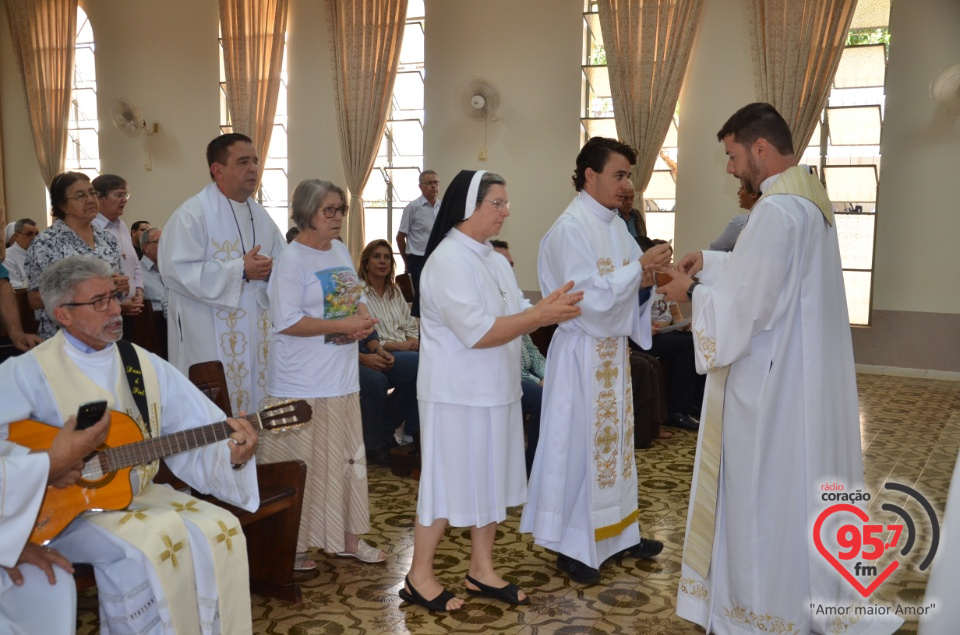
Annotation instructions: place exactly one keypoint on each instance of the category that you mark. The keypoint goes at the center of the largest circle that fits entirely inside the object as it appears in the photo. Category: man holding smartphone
(37, 591)
(208, 589)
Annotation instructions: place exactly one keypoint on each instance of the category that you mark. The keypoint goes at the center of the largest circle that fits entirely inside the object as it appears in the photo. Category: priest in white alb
(215, 258)
(168, 563)
(780, 417)
(582, 495)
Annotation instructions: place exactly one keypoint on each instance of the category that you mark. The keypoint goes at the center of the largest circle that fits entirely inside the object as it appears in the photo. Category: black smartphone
(90, 413)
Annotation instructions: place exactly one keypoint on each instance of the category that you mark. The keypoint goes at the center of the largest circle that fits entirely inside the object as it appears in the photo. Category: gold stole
(698, 549)
(152, 522)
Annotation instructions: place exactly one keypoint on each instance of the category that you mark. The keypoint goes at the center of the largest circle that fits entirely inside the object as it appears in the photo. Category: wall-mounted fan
(478, 100)
(129, 119)
(945, 87)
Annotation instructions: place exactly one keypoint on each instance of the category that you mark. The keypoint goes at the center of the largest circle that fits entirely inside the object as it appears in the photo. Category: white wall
(162, 57)
(918, 215)
(532, 51)
(719, 81)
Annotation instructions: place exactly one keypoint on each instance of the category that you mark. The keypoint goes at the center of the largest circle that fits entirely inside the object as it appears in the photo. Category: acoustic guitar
(105, 481)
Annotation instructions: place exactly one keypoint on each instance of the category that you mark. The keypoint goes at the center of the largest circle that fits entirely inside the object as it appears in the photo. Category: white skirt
(472, 463)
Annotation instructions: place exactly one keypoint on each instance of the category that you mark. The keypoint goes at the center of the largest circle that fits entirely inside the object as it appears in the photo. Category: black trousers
(684, 385)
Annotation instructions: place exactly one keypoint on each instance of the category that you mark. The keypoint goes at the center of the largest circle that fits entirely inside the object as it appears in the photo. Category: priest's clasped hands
(255, 266)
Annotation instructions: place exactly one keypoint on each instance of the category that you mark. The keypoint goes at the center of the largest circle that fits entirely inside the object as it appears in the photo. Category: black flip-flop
(509, 594)
(437, 604)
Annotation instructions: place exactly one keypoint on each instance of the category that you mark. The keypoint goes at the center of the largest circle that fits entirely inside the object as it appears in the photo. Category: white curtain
(365, 39)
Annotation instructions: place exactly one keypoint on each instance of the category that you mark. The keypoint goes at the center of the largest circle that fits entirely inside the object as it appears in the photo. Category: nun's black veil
(452, 211)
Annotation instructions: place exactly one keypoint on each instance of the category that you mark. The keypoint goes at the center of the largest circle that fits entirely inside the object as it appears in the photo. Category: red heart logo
(862, 515)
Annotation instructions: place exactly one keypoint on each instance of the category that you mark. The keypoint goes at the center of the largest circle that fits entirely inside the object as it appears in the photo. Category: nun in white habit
(472, 316)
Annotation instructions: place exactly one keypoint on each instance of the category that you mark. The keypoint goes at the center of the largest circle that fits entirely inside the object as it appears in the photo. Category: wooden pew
(271, 531)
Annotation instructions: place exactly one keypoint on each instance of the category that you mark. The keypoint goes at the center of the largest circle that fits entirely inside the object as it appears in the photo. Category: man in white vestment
(168, 562)
(582, 497)
(24, 231)
(780, 416)
(215, 258)
(37, 591)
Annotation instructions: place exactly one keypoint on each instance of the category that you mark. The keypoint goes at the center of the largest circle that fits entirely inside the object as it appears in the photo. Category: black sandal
(509, 594)
(437, 604)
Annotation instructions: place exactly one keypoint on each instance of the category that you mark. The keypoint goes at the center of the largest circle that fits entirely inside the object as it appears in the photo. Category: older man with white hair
(159, 569)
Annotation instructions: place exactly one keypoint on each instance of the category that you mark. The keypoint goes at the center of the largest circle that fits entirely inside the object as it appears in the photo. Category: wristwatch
(690, 289)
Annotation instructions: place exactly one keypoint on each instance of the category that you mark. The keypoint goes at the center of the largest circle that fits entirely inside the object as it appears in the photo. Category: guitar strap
(131, 367)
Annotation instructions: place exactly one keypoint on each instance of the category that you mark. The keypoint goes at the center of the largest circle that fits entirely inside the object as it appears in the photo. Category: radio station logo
(856, 548)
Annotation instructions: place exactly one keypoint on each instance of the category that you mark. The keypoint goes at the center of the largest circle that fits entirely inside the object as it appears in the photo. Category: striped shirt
(396, 324)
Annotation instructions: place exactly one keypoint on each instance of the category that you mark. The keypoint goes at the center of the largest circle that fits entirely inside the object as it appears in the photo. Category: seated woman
(398, 335)
(319, 315)
(74, 206)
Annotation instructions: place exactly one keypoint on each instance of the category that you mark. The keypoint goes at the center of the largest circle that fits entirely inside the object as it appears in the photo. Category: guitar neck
(150, 450)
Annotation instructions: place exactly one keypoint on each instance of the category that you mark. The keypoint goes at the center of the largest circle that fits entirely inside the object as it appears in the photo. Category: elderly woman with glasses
(74, 205)
(319, 313)
(472, 317)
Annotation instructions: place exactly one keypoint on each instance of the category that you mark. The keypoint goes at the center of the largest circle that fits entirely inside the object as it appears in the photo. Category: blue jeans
(382, 413)
(530, 405)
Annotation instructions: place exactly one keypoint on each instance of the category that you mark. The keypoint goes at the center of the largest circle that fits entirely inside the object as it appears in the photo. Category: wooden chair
(272, 530)
(406, 286)
(145, 330)
(28, 319)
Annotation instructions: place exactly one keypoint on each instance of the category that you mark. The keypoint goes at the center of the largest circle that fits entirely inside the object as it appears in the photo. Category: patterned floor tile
(910, 432)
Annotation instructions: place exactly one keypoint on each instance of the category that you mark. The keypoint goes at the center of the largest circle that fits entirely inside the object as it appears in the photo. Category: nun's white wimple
(471, 203)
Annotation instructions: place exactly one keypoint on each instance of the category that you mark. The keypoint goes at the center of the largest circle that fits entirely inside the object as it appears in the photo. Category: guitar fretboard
(148, 450)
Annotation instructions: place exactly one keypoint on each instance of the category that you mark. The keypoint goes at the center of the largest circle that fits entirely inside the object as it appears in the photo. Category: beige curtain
(648, 44)
(365, 39)
(796, 52)
(253, 34)
(44, 40)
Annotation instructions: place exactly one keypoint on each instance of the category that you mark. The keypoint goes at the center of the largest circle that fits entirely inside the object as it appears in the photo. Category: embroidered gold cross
(137, 515)
(606, 439)
(189, 507)
(171, 552)
(607, 373)
(227, 535)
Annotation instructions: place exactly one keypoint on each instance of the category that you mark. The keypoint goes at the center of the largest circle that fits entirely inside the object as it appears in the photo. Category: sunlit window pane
(600, 127)
(83, 147)
(854, 125)
(861, 67)
(857, 285)
(411, 51)
(660, 225)
(855, 232)
(375, 224)
(851, 182)
(599, 80)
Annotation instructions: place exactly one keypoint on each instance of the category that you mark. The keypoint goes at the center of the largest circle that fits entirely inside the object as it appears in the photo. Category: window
(83, 142)
(273, 192)
(597, 120)
(845, 147)
(394, 179)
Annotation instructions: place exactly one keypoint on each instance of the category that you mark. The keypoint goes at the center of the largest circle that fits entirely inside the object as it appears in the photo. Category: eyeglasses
(101, 303)
(499, 205)
(429, 183)
(30, 234)
(330, 212)
(82, 196)
(119, 195)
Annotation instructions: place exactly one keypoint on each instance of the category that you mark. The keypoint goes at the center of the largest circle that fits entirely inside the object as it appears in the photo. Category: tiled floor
(911, 435)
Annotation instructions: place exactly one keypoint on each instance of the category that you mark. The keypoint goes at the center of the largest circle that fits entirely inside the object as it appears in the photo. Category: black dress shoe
(645, 549)
(684, 421)
(578, 571)
(380, 457)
